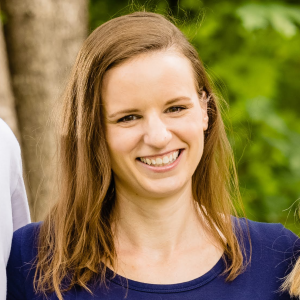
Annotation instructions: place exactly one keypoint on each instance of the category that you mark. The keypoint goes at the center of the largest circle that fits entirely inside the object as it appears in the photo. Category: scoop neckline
(216, 270)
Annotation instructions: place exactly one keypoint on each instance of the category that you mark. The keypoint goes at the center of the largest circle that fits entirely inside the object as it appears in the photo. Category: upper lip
(160, 154)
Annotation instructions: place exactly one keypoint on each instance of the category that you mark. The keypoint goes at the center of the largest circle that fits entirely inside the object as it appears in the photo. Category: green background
(251, 51)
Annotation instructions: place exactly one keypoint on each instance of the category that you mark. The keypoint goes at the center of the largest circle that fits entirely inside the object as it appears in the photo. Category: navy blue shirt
(274, 249)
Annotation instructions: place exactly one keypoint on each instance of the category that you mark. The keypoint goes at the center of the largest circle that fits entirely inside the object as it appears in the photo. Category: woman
(147, 184)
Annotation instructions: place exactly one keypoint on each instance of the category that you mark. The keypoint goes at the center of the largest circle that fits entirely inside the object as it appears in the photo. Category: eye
(175, 109)
(128, 118)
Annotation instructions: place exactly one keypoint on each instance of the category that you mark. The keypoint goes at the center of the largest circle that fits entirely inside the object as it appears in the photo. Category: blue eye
(128, 118)
(175, 109)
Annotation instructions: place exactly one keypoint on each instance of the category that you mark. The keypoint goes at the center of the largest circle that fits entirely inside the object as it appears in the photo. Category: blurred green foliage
(251, 50)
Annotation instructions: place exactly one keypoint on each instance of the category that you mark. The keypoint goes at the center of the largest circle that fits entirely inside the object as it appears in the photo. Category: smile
(162, 160)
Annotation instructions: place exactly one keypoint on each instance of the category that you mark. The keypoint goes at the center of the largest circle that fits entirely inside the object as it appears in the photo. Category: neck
(157, 226)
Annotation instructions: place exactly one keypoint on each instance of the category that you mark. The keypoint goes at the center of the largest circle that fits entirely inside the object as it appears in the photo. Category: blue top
(273, 249)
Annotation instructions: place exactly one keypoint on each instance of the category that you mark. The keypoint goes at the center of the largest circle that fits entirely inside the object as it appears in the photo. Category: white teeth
(175, 155)
(161, 161)
(165, 159)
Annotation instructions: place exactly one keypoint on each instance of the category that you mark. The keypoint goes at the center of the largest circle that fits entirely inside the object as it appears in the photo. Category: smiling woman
(168, 122)
(148, 184)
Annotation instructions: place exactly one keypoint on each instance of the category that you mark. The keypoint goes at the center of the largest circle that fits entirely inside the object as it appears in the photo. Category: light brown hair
(76, 236)
(292, 281)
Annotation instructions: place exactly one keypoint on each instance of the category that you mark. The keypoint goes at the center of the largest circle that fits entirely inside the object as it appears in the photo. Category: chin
(163, 189)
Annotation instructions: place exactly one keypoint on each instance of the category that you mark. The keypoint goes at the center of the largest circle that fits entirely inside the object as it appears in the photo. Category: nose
(156, 133)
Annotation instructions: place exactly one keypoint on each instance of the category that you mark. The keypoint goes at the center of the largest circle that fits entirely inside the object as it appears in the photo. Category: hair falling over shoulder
(292, 281)
(76, 238)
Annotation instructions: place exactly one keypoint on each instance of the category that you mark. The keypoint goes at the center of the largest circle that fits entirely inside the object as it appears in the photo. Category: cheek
(192, 129)
(194, 136)
(192, 133)
(121, 141)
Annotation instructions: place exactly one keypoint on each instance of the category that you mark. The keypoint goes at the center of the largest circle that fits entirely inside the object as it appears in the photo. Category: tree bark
(7, 101)
(43, 38)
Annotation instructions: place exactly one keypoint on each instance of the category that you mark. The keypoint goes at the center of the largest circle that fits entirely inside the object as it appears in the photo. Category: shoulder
(272, 245)
(20, 267)
(24, 244)
(27, 235)
(270, 234)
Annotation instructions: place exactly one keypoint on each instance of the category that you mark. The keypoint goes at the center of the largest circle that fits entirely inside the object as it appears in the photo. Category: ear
(203, 104)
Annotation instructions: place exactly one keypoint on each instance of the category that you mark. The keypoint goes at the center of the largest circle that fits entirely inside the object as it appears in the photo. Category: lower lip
(163, 169)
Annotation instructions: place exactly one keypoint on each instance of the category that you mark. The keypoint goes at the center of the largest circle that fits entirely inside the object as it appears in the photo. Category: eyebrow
(177, 99)
(131, 111)
(121, 112)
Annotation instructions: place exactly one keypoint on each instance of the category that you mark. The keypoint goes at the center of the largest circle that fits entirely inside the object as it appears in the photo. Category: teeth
(165, 159)
(161, 161)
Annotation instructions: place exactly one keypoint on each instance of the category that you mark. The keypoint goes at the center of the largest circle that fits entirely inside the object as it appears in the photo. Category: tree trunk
(7, 101)
(43, 38)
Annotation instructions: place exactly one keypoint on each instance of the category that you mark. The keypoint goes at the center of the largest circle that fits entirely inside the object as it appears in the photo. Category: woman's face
(154, 124)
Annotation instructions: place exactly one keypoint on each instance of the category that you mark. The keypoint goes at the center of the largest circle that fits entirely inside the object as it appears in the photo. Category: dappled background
(251, 51)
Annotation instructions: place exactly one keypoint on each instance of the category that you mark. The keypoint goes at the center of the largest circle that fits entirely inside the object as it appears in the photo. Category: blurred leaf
(281, 17)
(254, 16)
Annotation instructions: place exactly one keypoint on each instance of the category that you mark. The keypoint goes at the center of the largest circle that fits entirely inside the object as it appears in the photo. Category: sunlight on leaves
(281, 18)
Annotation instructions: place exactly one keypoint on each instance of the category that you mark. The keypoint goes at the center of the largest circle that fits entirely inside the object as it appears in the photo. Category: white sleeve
(19, 204)
(14, 211)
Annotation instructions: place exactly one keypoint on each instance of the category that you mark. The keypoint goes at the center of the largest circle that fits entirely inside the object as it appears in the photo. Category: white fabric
(14, 211)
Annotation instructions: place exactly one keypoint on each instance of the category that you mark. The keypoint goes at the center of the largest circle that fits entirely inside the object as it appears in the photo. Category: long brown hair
(76, 236)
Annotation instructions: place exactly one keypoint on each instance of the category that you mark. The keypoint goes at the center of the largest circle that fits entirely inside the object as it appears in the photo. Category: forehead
(147, 77)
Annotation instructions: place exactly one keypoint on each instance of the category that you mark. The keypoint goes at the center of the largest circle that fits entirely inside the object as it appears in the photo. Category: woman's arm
(14, 211)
